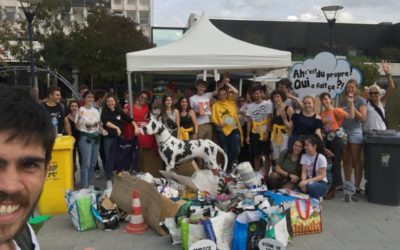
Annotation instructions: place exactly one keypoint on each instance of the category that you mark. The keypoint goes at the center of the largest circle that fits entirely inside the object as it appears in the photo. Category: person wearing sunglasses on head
(376, 118)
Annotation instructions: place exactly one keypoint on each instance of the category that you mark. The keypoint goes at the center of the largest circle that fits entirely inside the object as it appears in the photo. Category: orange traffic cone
(136, 224)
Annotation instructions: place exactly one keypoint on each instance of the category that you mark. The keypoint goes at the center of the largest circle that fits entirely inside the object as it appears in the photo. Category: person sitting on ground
(376, 118)
(313, 170)
(288, 168)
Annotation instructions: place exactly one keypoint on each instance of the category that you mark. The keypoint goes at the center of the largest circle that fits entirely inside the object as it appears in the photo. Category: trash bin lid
(64, 142)
(383, 137)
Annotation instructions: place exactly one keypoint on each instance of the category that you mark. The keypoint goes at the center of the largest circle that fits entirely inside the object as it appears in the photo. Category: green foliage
(390, 53)
(97, 48)
(392, 109)
(368, 69)
(103, 45)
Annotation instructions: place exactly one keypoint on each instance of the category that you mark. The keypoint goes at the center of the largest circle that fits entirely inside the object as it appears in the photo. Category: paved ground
(360, 225)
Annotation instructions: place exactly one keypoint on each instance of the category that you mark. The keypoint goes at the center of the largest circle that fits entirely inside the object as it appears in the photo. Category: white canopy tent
(204, 47)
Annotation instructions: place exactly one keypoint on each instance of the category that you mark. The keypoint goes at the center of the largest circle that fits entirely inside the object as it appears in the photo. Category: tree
(102, 45)
(96, 48)
(369, 70)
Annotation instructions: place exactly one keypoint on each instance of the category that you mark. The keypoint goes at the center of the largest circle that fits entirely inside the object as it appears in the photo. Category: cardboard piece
(155, 207)
(184, 180)
(186, 168)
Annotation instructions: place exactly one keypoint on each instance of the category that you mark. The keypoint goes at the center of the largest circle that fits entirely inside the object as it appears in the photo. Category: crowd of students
(277, 130)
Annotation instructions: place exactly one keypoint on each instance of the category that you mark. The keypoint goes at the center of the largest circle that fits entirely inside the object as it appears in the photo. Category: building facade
(140, 11)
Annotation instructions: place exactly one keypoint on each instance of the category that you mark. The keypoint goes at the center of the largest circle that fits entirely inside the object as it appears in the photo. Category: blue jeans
(231, 145)
(316, 189)
(89, 149)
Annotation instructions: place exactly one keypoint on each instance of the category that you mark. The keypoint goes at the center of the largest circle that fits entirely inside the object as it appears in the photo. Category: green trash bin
(381, 159)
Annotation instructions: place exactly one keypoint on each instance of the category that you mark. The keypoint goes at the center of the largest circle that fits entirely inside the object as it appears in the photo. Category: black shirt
(115, 117)
(57, 111)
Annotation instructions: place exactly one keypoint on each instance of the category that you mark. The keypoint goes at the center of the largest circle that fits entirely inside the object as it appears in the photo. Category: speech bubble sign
(203, 245)
(270, 244)
(323, 73)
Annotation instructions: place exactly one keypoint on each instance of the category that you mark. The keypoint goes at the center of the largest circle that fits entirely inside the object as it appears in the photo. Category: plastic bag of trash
(80, 208)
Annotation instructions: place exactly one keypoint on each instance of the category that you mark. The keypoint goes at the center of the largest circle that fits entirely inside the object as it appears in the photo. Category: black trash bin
(382, 165)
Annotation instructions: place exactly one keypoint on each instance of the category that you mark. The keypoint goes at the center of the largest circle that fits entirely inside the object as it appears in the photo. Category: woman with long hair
(87, 122)
(70, 127)
(169, 116)
(353, 129)
(145, 143)
(224, 116)
(113, 118)
(288, 168)
(313, 170)
(188, 126)
(307, 122)
(332, 119)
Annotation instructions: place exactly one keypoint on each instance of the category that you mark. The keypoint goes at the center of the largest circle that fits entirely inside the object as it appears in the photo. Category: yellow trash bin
(59, 178)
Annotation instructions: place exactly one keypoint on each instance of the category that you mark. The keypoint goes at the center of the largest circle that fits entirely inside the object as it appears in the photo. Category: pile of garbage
(203, 208)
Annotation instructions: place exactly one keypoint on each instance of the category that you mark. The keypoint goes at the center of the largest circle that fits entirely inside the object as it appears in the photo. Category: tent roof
(204, 47)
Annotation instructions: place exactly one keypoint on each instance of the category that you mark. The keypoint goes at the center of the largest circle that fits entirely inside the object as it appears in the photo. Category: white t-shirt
(90, 120)
(258, 112)
(309, 160)
(374, 120)
(202, 107)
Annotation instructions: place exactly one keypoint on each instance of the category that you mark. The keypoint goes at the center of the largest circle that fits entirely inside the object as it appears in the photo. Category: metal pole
(129, 74)
(331, 24)
(31, 52)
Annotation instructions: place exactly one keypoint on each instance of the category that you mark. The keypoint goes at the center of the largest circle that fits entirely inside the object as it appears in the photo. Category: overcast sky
(175, 13)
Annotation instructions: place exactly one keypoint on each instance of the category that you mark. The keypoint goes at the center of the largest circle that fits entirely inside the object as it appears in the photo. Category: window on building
(117, 2)
(10, 14)
(298, 52)
(144, 17)
(144, 2)
(131, 2)
(131, 14)
(358, 52)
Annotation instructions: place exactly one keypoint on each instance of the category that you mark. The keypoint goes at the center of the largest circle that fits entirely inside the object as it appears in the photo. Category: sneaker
(98, 176)
(109, 184)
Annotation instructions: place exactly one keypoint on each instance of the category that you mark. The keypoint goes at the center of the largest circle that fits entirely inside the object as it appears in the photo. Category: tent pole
(141, 82)
(129, 74)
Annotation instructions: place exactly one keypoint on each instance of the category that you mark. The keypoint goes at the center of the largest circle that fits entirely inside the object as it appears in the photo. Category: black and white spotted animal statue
(174, 151)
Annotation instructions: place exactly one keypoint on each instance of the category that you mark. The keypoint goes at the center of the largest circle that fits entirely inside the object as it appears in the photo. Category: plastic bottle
(54, 121)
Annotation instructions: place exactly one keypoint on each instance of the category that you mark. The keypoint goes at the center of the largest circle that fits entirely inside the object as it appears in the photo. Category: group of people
(278, 130)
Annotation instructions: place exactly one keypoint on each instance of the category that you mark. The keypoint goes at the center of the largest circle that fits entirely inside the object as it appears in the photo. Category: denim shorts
(354, 135)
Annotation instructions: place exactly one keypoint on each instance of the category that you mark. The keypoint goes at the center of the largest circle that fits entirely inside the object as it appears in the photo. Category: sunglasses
(373, 93)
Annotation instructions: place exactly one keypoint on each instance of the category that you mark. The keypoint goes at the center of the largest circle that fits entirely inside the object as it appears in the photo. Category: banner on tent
(323, 73)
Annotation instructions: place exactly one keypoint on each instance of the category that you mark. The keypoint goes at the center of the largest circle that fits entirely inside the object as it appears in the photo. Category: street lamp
(30, 8)
(330, 15)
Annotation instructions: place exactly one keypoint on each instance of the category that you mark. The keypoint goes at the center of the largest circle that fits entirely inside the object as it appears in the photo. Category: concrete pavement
(360, 225)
